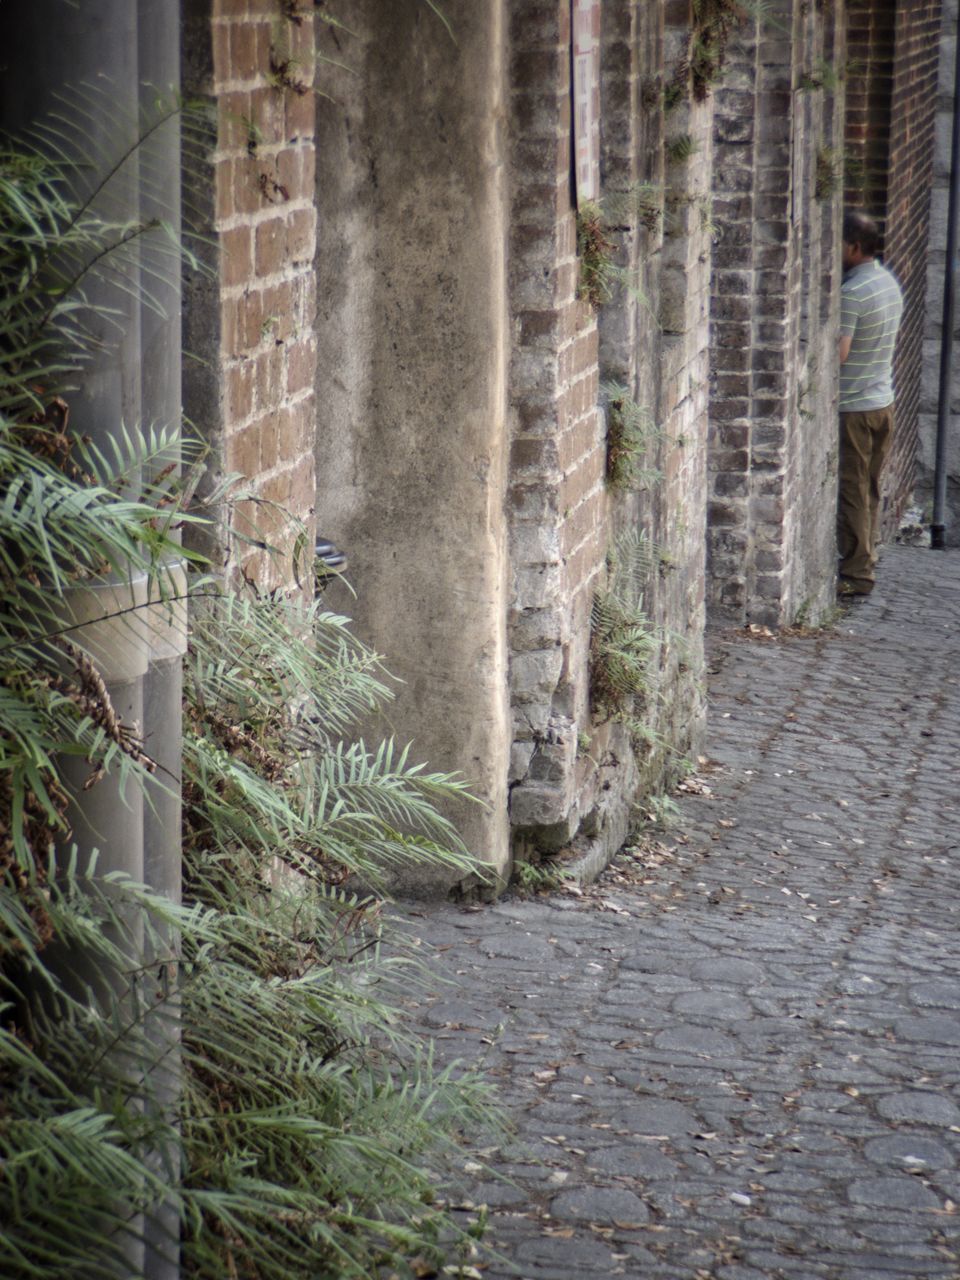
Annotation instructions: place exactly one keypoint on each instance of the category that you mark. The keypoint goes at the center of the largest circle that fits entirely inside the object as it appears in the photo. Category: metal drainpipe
(158, 35)
(106, 818)
(937, 526)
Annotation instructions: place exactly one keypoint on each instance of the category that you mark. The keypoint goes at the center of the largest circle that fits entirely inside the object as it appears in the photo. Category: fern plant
(596, 250)
(224, 1081)
(630, 435)
(624, 642)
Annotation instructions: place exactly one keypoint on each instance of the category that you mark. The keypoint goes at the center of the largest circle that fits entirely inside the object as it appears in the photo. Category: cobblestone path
(738, 1055)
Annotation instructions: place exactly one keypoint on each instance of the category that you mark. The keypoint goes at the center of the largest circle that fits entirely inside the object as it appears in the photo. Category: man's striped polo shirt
(870, 308)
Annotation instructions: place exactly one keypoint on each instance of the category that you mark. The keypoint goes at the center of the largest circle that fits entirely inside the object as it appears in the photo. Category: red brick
(302, 235)
(301, 365)
(224, 202)
(300, 116)
(278, 311)
(295, 430)
(220, 39)
(230, 8)
(239, 393)
(236, 262)
(278, 488)
(290, 170)
(243, 52)
(268, 367)
(249, 321)
(243, 452)
(271, 245)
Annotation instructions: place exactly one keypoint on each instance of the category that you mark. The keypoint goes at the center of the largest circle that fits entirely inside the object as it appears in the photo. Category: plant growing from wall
(624, 642)
(640, 204)
(680, 149)
(828, 172)
(630, 434)
(713, 25)
(595, 250)
(598, 222)
(301, 1140)
(823, 76)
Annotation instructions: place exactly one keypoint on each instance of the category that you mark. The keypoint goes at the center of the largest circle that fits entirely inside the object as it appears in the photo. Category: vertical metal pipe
(158, 50)
(108, 818)
(938, 527)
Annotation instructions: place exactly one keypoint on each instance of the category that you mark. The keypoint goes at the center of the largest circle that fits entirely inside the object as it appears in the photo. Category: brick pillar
(254, 398)
(680, 352)
(773, 405)
(730, 550)
(556, 498)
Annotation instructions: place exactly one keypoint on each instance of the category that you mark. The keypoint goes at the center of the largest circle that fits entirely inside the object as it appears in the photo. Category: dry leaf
(612, 906)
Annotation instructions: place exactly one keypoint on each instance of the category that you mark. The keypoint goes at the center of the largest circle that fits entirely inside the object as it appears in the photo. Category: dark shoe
(849, 588)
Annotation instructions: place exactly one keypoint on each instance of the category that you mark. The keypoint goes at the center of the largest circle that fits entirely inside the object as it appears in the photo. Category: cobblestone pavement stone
(736, 1056)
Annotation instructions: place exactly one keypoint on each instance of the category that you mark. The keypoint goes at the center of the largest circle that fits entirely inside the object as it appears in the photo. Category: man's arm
(844, 347)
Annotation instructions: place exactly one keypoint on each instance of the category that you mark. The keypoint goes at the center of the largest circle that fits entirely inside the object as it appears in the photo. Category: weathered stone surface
(600, 1204)
(413, 354)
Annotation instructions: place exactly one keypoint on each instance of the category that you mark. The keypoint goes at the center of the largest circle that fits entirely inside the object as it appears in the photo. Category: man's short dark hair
(859, 228)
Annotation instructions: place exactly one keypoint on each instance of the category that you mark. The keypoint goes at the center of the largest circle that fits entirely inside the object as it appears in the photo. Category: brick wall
(871, 41)
(556, 498)
(575, 772)
(894, 51)
(677, 350)
(772, 459)
(653, 343)
(731, 553)
(254, 401)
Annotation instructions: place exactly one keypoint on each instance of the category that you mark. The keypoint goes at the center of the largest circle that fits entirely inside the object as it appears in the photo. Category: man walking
(870, 308)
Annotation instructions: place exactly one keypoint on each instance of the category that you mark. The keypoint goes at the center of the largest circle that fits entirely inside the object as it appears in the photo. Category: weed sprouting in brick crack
(283, 73)
(828, 172)
(599, 224)
(638, 205)
(680, 149)
(595, 249)
(624, 642)
(823, 76)
(714, 22)
(630, 434)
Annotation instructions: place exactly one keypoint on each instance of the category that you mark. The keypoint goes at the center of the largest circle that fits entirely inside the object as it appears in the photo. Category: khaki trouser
(864, 445)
